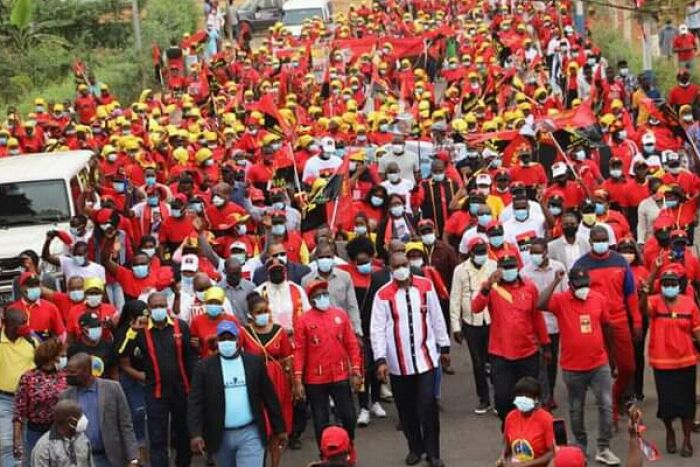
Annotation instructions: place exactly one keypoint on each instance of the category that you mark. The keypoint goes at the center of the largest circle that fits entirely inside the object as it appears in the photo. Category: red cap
(256, 194)
(474, 242)
(104, 216)
(334, 441)
(569, 456)
(64, 237)
(316, 284)
(180, 197)
(26, 276)
(426, 223)
(679, 233)
(492, 225)
(663, 222)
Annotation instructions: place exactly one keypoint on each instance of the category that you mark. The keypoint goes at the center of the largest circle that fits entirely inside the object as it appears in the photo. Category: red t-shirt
(671, 332)
(132, 286)
(224, 215)
(680, 95)
(174, 230)
(105, 312)
(580, 326)
(529, 436)
(204, 328)
(63, 303)
(533, 174)
(44, 317)
(685, 44)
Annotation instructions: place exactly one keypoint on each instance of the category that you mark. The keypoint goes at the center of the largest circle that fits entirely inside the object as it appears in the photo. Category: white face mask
(416, 263)
(82, 424)
(582, 292)
(401, 274)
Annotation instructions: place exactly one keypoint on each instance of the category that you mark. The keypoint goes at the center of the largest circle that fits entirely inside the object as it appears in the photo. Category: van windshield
(297, 17)
(33, 203)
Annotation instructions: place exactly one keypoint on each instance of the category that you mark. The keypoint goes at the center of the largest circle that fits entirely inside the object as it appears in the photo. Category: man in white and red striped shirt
(409, 340)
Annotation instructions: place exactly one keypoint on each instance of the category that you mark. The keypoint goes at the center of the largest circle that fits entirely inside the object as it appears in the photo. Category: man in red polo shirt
(94, 289)
(685, 92)
(134, 281)
(203, 328)
(44, 318)
(586, 354)
(685, 45)
(222, 210)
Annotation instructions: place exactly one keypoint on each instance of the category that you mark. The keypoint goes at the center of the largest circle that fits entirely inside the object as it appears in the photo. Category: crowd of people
(309, 229)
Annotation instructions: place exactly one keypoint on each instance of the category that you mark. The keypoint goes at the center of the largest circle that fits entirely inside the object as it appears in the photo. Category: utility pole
(580, 18)
(136, 24)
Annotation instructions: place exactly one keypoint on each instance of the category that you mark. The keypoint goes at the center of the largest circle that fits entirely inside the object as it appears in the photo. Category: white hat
(328, 144)
(237, 246)
(669, 155)
(683, 28)
(648, 138)
(559, 169)
(189, 263)
(483, 179)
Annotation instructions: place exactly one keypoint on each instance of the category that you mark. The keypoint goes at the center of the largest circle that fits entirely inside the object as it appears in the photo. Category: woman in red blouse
(269, 341)
(528, 431)
(36, 395)
(674, 320)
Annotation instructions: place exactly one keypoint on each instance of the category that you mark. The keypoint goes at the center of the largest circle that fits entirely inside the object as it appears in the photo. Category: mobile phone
(560, 437)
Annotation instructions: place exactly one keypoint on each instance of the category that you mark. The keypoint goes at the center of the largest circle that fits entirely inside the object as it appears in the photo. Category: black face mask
(73, 380)
(277, 275)
(570, 230)
(663, 237)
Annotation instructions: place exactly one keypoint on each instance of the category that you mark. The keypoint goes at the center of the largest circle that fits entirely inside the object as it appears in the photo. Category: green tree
(21, 33)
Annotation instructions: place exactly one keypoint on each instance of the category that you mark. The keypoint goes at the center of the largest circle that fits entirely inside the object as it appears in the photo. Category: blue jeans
(135, 396)
(7, 408)
(599, 380)
(30, 439)
(100, 460)
(241, 448)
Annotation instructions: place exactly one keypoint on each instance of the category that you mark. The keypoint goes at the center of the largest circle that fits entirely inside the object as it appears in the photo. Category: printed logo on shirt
(585, 324)
(98, 366)
(337, 320)
(234, 382)
(522, 450)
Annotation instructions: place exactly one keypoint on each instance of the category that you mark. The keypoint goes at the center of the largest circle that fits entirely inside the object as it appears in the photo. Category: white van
(295, 12)
(38, 193)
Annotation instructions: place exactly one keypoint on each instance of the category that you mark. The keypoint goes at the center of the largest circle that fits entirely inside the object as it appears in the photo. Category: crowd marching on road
(310, 228)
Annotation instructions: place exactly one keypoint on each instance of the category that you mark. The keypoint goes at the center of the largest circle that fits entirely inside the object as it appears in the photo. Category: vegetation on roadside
(39, 42)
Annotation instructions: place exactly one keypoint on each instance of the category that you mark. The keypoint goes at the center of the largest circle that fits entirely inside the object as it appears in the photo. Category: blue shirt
(87, 398)
(237, 404)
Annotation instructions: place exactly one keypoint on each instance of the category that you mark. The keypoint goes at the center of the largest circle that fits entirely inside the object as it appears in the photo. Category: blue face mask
(360, 230)
(484, 219)
(140, 271)
(159, 314)
(214, 309)
(480, 260)
(227, 349)
(537, 259)
(278, 229)
(94, 334)
(262, 319)
(473, 208)
(322, 302)
(439, 177)
(497, 240)
(119, 187)
(33, 294)
(555, 210)
(150, 181)
(279, 205)
(524, 403)
(325, 264)
(79, 260)
(520, 214)
(176, 212)
(600, 248)
(365, 268)
(397, 211)
(510, 274)
(376, 201)
(76, 295)
(671, 203)
(670, 291)
(153, 201)
(196, 207)
(599, 209)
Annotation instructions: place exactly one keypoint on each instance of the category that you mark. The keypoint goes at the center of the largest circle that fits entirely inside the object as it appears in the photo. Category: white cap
(558, 169)
(189, 263)
(488, 153)
(648, 138)
(683, 28)
(237, 246)
(669, 155)
(483, 179)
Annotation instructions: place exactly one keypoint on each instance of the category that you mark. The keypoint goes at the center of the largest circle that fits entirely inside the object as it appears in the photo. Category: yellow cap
(93, 283)
(214, 294)
(202, 155)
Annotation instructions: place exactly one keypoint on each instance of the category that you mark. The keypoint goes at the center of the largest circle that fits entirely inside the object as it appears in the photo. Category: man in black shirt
(167, 359)
(96, 343)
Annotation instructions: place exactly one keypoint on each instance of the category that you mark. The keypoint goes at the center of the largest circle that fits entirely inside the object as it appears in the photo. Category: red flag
(353, 48)
(273, 118)
(338, 191)
(504, 135)
(580, 117)
(407, 46)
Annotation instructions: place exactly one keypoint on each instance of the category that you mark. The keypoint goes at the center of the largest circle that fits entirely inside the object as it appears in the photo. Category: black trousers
(478, 343)
(170, 410)
(300, 416)
(318, 394)
(505, 374)
(548, 371)
(371, 389)
(639, 360)
(414, 396)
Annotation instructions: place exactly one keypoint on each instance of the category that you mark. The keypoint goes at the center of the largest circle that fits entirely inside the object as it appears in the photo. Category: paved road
(471, 440)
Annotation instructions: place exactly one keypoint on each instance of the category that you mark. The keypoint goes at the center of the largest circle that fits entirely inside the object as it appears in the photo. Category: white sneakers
(377, 410)
(607, 457)
(363, 418)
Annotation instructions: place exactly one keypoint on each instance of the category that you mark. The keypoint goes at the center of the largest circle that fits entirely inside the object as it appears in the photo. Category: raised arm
(546, 294)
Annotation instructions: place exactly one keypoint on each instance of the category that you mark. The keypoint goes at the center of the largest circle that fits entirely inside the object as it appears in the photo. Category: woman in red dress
(269, 341)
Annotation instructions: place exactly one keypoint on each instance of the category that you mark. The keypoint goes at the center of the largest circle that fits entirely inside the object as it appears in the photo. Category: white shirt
(573, 253)
(466, 283)
(467, 236)
(279, 296)
(512, 228)
(70, 269)
(316, 164)
(584, 232)
(419, 328)
(402, 188)
(535, 212)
